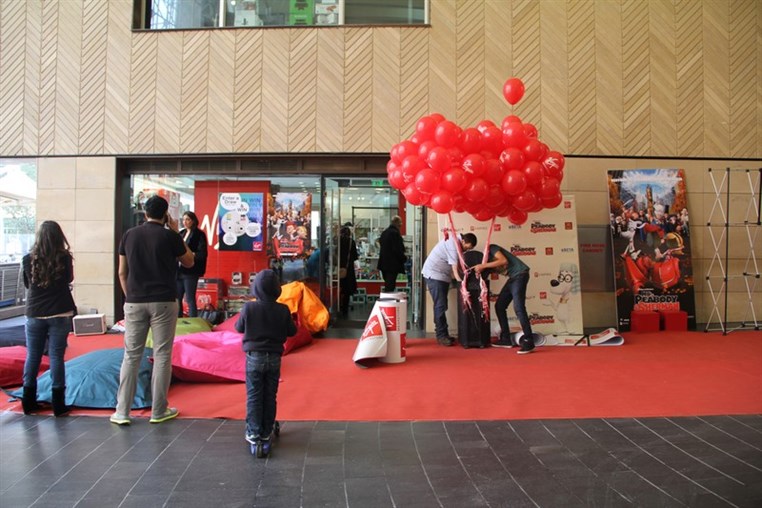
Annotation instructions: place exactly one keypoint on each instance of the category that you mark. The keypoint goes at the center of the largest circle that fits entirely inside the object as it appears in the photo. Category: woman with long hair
(187, 278)
(48, 272)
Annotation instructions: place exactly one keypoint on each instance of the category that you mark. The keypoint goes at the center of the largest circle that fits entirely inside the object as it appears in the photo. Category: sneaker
(445, 341)
(252, 438)
(119, 419)
(527, 345)
(170, 413)
(503, 342)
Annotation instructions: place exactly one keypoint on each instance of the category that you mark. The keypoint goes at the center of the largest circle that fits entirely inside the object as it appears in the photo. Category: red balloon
(509, 119)
(530, 130)
(517, 217)
(438, 159)
(513, 90)
(533, 150)
(425, 128)
(553, 164)
(495, 197)
(427, 181)
(454, 179)
(447, 134)
(513, 136)
(414, 196)
(493, 174)
(553, 201)
(425, 148)
(483, 215)
(514, 182)
(474, 164)
(534, 174)
(492, 141)
(512, 158)
(537, 207)
(525, 201)
(413, 163)
(484, 125)
(471, 140)
(390, 166)
(550, 187)
(402, 150)
(437, 117)
(456, 155)
(476, 190)
(396, 179)
(459, 204)
(441, 202)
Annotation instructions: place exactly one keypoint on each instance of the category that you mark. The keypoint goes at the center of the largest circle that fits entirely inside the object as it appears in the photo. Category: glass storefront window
(183, 14)
(18, 191)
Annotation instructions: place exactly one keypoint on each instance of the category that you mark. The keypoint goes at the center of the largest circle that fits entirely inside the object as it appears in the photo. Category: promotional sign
(288, 224)
(240, 221)
(547, 243)
(651, 242)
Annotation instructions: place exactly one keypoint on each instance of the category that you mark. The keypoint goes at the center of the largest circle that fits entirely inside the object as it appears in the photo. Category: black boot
(59, 402)
(29, 400)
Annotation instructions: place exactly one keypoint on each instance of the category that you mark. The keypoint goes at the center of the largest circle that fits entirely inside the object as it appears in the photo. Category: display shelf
(718, 225)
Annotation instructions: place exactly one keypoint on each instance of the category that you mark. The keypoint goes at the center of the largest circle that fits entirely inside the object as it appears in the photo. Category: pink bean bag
(12, 360)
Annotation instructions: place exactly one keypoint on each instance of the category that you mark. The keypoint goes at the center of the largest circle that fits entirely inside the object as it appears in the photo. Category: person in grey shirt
(440, 268)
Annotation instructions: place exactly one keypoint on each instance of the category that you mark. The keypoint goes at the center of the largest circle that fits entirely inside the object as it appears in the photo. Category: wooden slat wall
(615, 77)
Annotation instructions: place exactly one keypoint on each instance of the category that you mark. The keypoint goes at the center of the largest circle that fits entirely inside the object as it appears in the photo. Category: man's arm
(499, 260)
(456, 273)
(123, 272)
(187, 259)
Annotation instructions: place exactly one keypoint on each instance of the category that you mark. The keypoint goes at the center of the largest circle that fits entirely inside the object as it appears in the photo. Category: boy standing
(265, 325)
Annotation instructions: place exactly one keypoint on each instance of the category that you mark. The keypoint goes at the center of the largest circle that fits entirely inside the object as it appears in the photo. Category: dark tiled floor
(86, 461)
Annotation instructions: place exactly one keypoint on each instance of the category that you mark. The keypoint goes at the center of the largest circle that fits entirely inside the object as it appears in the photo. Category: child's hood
(266, 286)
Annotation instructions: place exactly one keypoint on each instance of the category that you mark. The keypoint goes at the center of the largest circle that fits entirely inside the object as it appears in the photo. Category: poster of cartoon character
(289, 224)
(240, 221)
(650, 232)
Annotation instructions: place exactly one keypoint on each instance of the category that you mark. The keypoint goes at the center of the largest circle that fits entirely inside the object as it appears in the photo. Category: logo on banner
(650, 301)
(518, 250)
(568, 226)
(390, 317)
(548, 251)
(372, 329)
(497, 226)
(539, 227)
(567, 250)
(541, 319)
(543, 295)
(567, 204)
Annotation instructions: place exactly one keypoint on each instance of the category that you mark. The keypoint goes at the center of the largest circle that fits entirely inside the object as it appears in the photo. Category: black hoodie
(265, 323)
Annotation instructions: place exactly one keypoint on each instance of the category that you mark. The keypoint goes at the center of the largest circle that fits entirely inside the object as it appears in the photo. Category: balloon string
(464, 296)
(484, 293)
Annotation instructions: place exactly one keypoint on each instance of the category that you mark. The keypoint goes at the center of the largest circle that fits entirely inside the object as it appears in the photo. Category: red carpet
(660, 374)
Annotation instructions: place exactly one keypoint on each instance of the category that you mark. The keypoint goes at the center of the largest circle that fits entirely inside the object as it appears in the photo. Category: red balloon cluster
(487, 171)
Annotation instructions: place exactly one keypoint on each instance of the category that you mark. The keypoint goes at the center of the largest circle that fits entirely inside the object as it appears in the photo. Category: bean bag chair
(93, 379)
(185, 326)
(12, 365)
(228, 325)
(306, 304)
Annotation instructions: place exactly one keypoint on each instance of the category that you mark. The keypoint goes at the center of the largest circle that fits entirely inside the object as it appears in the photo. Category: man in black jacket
(391, 258)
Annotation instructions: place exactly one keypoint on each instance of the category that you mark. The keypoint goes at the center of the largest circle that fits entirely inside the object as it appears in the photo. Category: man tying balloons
(440, 268)
(515, 289)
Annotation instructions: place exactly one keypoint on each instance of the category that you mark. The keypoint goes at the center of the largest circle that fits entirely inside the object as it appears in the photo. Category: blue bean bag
(93, 379)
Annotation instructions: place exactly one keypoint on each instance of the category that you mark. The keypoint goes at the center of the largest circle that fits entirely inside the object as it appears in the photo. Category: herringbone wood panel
(616, 77)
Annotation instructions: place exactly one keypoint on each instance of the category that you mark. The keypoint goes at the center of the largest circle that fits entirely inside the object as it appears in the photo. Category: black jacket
(198, 244)
(391, 256)
(265, 323)
(52, 300)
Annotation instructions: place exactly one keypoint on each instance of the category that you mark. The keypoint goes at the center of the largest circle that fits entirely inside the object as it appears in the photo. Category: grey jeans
(161, 318)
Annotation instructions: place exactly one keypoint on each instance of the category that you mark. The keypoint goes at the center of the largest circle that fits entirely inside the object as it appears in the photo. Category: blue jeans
(262, 376)
(438, 290)
(186, 286)
(514, 290)
(54, 331)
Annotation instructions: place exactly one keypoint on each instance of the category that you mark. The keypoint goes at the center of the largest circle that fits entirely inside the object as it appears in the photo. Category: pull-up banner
(651, 242)
(547, 243)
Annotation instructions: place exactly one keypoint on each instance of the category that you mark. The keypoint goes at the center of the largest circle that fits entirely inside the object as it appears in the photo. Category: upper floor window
(181, 14)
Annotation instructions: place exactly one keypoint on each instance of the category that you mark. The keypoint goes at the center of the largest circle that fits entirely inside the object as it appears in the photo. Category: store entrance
(363, 208)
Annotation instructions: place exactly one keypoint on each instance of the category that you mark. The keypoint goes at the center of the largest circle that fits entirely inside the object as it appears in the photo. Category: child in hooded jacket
(265, 325)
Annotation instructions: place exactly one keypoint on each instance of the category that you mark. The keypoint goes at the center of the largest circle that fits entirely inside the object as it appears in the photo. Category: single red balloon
(474, 164)
(534, 174)
(476, 190)
(513, 136)
(492, 141)
(512, 158)
(517, 216)
(470, 141)
(447, 134)
(484, 125)
(513, 90)
(414, 196)
(438, 159)
(495, 197)
(552, 201)
(425, 148)
(550, 187)
(425, 128)
(509, 119)
(441, 202)
(493, 174)
(397, 179)
(483, 215)
(553, 163)
(427, 181)
(525, 201)
(534, 150)
(514, 182)
(454, 180)
(530, 130)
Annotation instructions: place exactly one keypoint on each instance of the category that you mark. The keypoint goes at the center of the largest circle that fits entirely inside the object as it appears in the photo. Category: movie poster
(240, 221)
(288, 224)
(651, 244)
